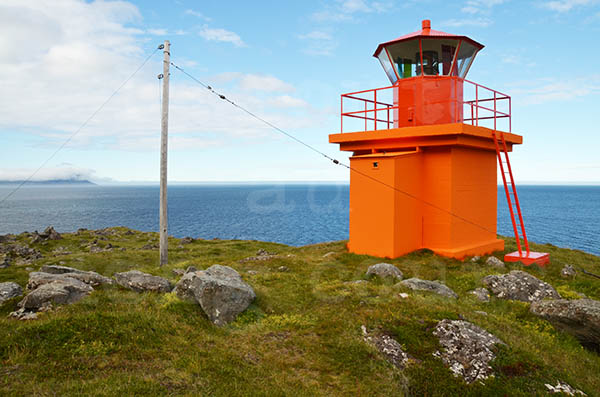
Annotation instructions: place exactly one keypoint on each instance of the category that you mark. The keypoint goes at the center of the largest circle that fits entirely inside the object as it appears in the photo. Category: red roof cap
(427, 32)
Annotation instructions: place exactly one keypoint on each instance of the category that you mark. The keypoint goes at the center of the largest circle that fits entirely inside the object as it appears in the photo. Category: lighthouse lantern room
(424, 154)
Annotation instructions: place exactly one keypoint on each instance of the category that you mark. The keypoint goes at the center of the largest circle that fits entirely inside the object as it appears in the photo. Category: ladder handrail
(514, 190)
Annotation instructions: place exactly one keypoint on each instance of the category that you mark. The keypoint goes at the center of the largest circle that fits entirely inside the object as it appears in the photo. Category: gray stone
(56, 269)
(141, 282)
(57, 292)
(4, 263)
(178, 272)
(384, 270)
(191, 269)
(467, 349)
(568, 272)
(50, 234)
(493, 261)
(91, 278)
(261, 255)
(283, 269)
(481, 293)
(219, 290)
(187, 240)
(521, 286)
(9, 290)
(476, 258)
(389, 347)
(564, 388)
(431, 286)
(580, 318)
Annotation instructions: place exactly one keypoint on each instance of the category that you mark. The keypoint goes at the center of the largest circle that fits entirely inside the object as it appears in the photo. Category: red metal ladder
(523, 255)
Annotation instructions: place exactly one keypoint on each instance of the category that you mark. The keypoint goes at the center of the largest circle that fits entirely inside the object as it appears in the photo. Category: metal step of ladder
(523, 253)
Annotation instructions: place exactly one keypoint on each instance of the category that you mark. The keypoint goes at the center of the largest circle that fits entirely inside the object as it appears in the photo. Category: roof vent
(426, 24)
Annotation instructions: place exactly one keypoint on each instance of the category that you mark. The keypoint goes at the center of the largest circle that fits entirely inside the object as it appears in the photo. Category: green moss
(300, 337)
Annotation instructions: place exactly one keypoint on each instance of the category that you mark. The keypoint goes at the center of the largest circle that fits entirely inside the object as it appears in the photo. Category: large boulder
(140, 282)
(430, 286)
(581, 318)
(9, 290)
(467, 349)
(385, 270)
(57, 292)
(219, 290)
(521, 286)
(57, 269)
(93, 279)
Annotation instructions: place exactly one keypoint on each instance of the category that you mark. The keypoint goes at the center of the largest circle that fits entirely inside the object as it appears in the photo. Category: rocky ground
(91, 313)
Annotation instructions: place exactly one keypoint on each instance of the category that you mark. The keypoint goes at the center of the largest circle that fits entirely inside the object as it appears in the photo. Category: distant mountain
(50, 182)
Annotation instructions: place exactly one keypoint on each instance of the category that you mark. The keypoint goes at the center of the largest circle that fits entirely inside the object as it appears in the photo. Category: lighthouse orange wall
(431, 198)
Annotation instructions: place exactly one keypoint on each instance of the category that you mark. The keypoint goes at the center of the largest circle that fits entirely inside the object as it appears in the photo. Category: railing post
(495, 111)
(365, 115)
(375, 108)
(509, 115)
(476, 105)
(341, 114)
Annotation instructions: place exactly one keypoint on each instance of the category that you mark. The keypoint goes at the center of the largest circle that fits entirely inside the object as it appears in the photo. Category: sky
(287, 61)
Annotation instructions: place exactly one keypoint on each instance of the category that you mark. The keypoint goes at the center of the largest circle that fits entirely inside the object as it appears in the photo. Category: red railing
(375, 109)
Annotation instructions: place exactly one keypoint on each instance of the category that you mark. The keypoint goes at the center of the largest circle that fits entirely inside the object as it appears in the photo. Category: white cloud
(255, 82)
(567, 5)
(62, 172)
(319, 43)
(457, 23)
(223, 35)
(157, 32)
(76, 53)
(286, 101)
(345, 10)
(197, 14)
(480, 6)
(553, 90)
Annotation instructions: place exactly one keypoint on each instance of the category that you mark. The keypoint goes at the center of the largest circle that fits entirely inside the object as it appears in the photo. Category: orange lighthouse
(424, 153)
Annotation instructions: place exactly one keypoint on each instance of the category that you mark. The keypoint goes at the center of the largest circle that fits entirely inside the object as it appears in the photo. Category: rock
(261, 255)
(56, 269)
(482, 313)
(467, 349)
(252, 272)
(219, 290)
(518, 285)
(431, 286)
(327, 255)
(283, 269)
(385, 270)
(580, 318)
(493, 261)
(23, 314)
(50, 234)
(42, 277)
(9, 290)
(4, 263)
(481, 293)
(150, 246)
(191, 269)
(187, 240)
(476, 258)
(403, 295)
(568, 272)
(141, 282)
(389, 347)
(562, 387)
(57, 292)
(178, 272)
(7, 238)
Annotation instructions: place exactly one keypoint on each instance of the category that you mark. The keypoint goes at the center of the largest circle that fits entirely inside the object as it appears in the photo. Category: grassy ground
(300, 337)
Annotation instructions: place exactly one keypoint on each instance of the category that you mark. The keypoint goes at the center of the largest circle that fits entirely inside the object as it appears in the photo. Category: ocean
(294, 214)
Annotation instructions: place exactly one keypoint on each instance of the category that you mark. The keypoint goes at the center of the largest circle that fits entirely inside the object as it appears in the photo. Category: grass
(300, 337)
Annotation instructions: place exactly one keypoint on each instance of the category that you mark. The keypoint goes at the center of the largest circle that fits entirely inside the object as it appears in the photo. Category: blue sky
(287, 61)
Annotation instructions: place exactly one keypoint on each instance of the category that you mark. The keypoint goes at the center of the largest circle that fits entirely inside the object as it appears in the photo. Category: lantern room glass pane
(387, 66)
(403, 57)
(464, 58)
(438, 55)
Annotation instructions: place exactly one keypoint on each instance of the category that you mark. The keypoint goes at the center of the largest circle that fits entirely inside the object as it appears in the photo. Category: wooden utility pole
(164, 131)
